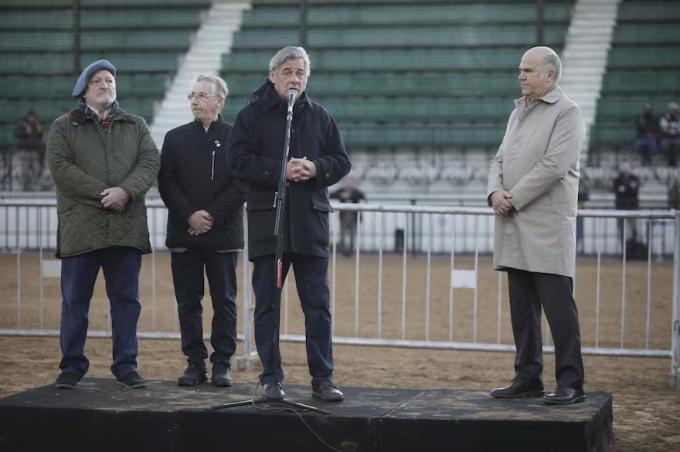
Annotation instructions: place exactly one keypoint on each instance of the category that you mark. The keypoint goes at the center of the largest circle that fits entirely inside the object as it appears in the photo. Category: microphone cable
(275, 407)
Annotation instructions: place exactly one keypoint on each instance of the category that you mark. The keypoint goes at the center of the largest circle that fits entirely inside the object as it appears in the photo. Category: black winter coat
(194, 176)
(255, 153)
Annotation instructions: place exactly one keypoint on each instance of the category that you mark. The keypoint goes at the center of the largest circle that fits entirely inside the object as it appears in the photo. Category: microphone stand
(280, 204)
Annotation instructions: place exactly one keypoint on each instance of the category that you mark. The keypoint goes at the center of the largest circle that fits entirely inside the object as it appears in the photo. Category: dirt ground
(646, 411)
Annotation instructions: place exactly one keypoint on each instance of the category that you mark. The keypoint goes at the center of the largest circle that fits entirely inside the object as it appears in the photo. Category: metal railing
(416, 276)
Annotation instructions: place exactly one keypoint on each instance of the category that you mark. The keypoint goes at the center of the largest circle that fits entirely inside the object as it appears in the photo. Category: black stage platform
(102, 416)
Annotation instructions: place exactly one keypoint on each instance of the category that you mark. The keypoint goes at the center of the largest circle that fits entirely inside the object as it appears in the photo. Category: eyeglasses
(200, 96)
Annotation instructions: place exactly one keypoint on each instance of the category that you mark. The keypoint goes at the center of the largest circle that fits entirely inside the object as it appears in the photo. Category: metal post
(357, 273)
(404, 275)
(380, 273)
(76, 37)
(539, 23)
(303, 23)
(332, 234)
(674, 380)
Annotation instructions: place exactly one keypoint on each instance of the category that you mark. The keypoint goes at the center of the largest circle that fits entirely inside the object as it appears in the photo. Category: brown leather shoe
(517, 390)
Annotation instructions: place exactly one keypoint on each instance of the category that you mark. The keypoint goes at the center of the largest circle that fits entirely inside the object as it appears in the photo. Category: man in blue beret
(103, 161)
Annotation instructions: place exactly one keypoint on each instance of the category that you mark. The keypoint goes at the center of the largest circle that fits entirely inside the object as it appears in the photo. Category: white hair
(290, 53)
(551, 62)
(220, 87)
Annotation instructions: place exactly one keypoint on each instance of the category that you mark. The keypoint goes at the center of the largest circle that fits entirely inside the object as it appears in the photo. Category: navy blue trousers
(121, 267)
(187, 277)
(311, 279)
(529, 291)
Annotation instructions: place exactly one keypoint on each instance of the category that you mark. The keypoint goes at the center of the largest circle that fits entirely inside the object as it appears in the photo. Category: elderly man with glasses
(205, 229)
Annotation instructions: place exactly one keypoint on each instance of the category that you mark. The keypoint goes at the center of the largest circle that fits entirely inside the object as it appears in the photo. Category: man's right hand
(500, 202)
(200, 222)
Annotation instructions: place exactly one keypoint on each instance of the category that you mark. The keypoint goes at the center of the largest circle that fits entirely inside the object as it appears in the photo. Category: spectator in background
(29, 133)
(103, 162)
(647, 126)
(670, 133)
(205, 229)
(349, 192)
(626, 188)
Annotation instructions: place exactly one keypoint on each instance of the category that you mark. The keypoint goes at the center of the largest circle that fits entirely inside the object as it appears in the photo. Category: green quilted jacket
(84, 159)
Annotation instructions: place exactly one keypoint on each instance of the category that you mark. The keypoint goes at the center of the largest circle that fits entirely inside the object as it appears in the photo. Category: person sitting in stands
(670, 133)
(647, 126)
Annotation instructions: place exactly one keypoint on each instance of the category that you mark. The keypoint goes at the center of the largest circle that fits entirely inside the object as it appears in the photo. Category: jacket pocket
(321, 203)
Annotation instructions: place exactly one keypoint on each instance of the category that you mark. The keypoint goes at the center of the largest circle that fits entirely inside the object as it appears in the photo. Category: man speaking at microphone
(317, 159)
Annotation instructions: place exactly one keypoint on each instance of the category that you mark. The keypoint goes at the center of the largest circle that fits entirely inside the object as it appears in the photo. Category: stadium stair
(212, 40)
(585, 56)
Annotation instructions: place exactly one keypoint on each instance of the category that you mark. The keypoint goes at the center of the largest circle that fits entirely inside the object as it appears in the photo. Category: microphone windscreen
(292, 94)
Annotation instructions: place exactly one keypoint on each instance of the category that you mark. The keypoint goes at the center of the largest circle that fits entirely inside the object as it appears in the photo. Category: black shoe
(327, 391)
(67, 380)
(517, 390)
(132, 380)
(193, 375)
(564, 396)
(273, 391)
(221, 375)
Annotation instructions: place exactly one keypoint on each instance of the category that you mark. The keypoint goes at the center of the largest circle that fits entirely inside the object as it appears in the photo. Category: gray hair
(219, 86)
(551, 62)
(290, 53)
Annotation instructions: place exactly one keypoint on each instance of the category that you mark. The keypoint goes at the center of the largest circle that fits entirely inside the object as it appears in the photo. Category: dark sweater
(193, 177)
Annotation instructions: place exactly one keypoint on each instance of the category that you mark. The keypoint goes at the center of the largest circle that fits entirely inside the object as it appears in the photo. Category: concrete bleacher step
(585, 56)
(212, 40)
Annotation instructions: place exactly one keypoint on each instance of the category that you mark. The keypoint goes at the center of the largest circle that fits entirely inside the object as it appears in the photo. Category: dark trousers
(529, 291)
(312, 285)
(121, 267)
(187, 277)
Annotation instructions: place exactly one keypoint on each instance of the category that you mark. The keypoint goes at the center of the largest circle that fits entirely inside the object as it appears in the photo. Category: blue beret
(84, 78)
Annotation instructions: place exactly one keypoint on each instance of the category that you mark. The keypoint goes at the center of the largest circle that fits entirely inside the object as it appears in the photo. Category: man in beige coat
(533, 189)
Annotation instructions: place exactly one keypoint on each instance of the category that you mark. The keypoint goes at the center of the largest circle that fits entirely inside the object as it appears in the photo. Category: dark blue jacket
(193, 177)
(255, 153)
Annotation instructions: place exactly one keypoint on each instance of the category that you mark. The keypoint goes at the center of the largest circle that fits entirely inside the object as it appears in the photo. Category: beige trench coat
(538, 163)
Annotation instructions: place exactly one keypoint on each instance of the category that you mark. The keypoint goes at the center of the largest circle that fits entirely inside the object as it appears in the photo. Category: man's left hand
(115, 198)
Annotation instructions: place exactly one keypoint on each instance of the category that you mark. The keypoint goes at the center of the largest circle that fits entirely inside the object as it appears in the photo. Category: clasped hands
(500, 202)
(114, 198)
(300, 170)
(200, 222)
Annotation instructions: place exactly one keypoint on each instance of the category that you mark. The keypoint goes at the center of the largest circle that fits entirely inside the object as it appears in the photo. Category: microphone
(292, 95)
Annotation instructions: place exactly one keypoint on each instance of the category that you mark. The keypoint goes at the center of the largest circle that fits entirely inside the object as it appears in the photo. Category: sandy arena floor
(646, 411)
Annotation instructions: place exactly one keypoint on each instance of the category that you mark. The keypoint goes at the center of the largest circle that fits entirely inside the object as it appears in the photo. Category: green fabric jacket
(85, 159)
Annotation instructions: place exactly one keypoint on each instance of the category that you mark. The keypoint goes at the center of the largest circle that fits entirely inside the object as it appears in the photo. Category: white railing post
(674, 380)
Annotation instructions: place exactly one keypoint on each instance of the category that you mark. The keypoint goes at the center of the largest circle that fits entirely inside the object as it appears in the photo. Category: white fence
(418, 277)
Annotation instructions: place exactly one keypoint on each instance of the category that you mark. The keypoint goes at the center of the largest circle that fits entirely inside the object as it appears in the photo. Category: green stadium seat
(649, 10)
(143, 38)
(336, 83)
(94, 40)
(643, 67)
(659, 81)
(386, 60)
(16, 87)
(365, 14)
(62, 19)
(399, 36)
